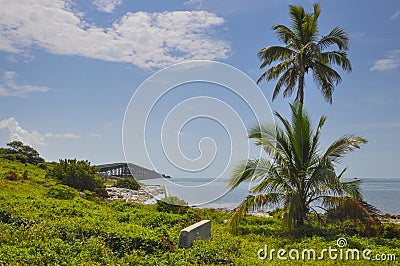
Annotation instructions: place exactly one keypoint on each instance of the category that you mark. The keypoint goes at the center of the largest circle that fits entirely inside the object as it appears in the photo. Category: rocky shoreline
(146, 194)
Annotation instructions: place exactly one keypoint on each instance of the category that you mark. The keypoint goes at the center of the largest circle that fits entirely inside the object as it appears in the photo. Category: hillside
(38, 229)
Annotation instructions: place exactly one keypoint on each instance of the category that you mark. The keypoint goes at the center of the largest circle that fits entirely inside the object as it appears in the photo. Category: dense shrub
(78, 174)
(61, 192)
(17, 151)
(391, 231)
(6, 216)
(129, 183)
(172, 204)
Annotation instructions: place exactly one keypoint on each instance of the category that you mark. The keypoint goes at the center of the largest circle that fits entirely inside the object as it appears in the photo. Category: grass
(38, 229)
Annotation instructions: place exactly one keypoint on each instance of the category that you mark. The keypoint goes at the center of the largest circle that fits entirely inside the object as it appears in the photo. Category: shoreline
(146, 194)
(149, 194)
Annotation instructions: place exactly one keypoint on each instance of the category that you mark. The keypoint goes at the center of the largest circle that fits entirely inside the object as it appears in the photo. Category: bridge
(127, 170)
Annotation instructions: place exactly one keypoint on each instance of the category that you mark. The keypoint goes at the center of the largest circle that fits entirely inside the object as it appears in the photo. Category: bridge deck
(128, 170)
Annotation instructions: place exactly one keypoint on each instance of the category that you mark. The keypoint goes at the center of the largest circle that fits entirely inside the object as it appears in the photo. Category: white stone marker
(200, 230)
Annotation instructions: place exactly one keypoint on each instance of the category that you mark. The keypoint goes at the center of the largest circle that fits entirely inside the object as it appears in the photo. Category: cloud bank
(9, 86)
(34, 138)
(107, 6)
(147, 40)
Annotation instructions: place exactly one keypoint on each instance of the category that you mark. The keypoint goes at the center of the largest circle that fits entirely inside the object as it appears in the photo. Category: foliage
(305, 51)
(130, 183)
(300, 178)
(61, 192)
(172, 204)
(17, 151)
(78, 174)
(36, 229)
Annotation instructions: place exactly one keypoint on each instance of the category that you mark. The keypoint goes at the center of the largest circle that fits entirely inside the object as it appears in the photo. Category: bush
(61, 192)
(78, 174)
(391, 231)
(6, 216)
(172, 205)
(17, 151)
(129, 183)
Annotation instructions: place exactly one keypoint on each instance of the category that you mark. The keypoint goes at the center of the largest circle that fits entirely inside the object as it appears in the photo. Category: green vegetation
(130, 183)
(305, 51)
(78, 174)
(39, 226)
(300, 178)
(17, 151)
(61, 192)
(172, 204)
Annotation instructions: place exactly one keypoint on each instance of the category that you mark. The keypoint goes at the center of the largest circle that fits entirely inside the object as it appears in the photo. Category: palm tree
(304, 50)
(298, 177)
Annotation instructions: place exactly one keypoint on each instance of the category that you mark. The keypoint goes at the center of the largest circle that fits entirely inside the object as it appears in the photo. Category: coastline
(148, 194)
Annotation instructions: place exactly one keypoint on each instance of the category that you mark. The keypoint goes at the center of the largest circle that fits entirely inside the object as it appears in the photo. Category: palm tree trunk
(300, 89)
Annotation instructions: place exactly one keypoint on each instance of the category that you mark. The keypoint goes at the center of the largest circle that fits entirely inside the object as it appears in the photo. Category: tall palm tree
(298, 177)
(305, 50)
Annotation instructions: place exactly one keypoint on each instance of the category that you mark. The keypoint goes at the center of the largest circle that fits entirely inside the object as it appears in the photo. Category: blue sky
(69, 68)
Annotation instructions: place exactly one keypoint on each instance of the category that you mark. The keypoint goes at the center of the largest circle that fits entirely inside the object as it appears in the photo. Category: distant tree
(78, 174)
(129, 183)
(17, 151)
(172, 204)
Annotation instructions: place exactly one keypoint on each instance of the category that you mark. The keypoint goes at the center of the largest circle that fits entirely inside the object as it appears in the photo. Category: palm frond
(288, 80)
(353, 208)
(253, 203)
(315, 141)
(273, 53)
(327, 78)
(352, 189)
(276, 181)
(275, 71)
(245, 171)
(337, 36)
(297, 15)
(285, 34)
(337, 57)
(342, 146)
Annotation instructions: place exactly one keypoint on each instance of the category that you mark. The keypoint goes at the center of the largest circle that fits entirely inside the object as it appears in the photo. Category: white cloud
(62, 136)
(390, 62)
(9, 86)
(197, 3)
(17, 132)
(20, 134)
(107, 6)
(147, 40)
(395, 15)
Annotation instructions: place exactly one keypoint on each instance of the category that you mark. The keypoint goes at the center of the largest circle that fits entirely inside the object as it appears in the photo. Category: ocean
(381, 192)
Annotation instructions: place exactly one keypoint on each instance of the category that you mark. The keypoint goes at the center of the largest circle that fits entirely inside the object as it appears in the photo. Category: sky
(68, 71)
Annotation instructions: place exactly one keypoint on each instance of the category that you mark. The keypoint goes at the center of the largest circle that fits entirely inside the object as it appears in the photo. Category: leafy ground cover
(45, 223)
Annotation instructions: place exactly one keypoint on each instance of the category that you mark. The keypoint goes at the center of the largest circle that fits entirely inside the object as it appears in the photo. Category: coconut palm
(305, 50)
(299, 178)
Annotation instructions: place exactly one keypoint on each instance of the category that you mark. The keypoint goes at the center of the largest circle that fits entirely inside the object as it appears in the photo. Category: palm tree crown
(304, 50)
(299, 178)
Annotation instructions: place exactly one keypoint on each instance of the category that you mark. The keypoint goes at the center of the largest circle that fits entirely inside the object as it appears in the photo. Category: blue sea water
(382, 192)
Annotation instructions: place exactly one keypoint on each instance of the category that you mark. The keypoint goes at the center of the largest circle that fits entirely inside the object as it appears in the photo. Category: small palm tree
(298, 177)
(304, 50)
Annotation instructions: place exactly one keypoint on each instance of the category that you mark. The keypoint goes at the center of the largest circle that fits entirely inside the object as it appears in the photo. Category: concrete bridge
(127, 170)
